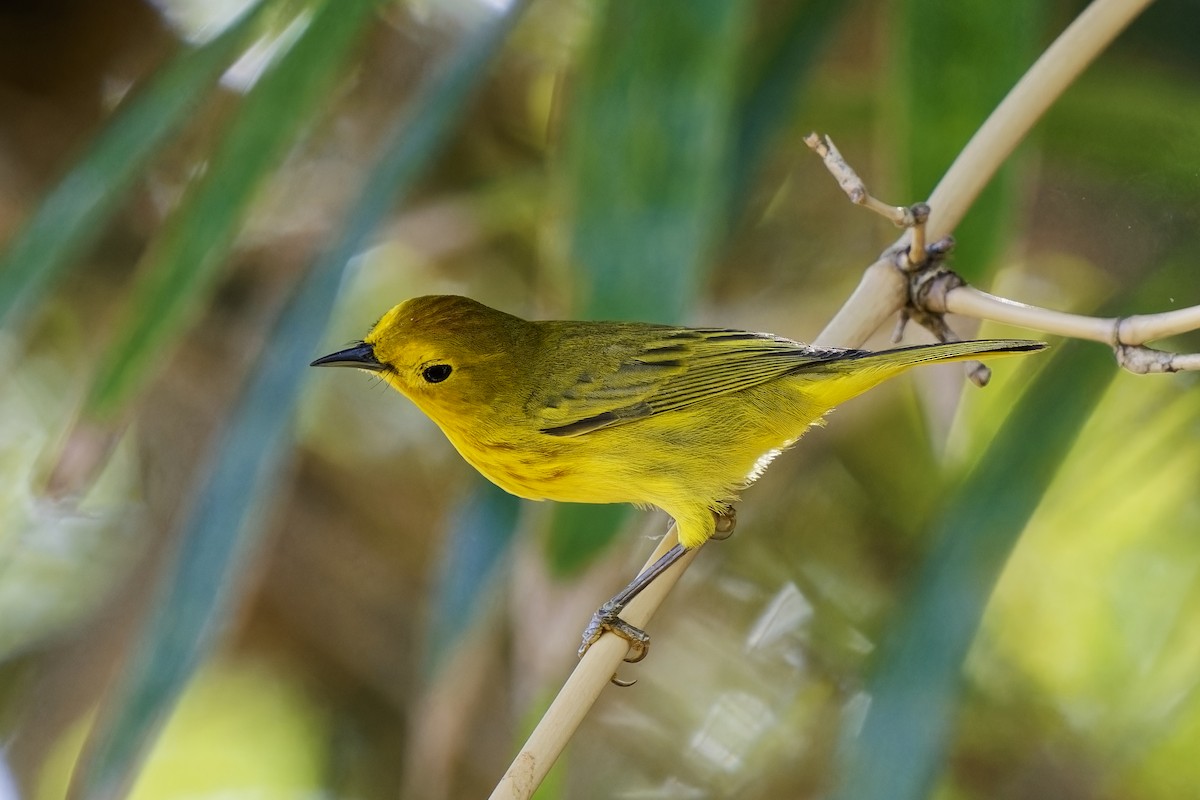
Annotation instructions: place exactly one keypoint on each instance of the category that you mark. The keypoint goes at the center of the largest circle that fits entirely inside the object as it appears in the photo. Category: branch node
(1142, 360)
(1117, 340)
(928, 286)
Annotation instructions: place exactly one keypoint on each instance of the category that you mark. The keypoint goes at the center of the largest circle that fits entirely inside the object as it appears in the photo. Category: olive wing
(663, 370)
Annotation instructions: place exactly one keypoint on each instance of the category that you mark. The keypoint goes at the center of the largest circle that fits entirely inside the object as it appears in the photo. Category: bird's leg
(608, 616)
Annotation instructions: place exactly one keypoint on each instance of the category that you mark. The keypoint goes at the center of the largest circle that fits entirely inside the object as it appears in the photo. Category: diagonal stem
(881, 292)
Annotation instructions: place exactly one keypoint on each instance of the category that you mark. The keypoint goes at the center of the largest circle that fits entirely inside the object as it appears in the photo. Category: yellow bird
(622, 412)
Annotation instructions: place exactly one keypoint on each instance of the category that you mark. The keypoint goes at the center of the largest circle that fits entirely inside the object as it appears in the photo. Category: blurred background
(222, 573)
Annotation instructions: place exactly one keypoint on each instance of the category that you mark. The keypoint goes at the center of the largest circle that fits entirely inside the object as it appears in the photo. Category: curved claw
(638, 648)
(615, 681)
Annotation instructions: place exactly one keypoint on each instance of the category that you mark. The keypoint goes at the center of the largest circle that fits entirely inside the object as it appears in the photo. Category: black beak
(362, 355)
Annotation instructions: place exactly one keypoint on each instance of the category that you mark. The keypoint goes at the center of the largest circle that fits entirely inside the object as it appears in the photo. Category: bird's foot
(726, 521)
(608, 618)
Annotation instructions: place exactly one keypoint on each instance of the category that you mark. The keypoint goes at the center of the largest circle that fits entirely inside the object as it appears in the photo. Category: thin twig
(912, 218)
(1143, 328)
(1126, 335)
(1057, 68)
(879, 294)
(854, 186)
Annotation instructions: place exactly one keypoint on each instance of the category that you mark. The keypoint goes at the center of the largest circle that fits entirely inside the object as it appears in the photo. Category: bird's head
(450, 355)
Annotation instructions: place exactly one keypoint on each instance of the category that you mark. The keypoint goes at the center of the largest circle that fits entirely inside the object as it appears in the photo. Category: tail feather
(859, 370)
(904, 357)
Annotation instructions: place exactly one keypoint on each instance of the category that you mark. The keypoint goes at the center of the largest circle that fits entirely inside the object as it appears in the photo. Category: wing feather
(657, 370)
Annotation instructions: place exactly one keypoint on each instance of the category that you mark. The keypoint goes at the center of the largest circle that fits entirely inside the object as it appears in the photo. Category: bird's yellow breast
(685, 463)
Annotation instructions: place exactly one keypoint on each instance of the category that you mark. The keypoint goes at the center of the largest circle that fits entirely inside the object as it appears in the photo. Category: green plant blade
(479, 540)
(937, 104)
(774, 98)
(77, 209)
(1160, 112)
(580, 533)
(184, 261)
(647, 153)
(218, 537)
(914, 688)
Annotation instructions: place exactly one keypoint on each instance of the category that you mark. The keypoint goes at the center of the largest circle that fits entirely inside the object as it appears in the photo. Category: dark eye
(437, 373)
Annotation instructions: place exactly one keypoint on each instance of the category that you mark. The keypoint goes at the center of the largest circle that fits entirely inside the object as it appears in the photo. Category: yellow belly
(687, 462)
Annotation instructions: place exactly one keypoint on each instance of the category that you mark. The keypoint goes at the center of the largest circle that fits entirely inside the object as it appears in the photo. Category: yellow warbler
(621, 412)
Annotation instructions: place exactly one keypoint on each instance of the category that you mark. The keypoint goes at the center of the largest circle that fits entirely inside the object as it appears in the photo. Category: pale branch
(882, 292)
(1126, 335)
(593, 672)
(879, 296)
(1142, 328)
(885, 289)
(856, 189)
(1056, 69)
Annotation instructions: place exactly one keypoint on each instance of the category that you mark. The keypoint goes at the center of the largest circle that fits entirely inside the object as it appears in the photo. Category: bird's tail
(855, 371)
(905, 357)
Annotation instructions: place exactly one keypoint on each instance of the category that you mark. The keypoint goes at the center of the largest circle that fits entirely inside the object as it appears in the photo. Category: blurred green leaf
(77, 209)
(648, 148)
(914, 689)
(184, 261)
(1158, 112)
(200, 585)
(772, 100)
(937, 104)
(479, 539)
(580, 533)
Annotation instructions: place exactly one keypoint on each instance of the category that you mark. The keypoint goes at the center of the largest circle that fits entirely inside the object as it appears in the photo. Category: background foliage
(233, 597)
